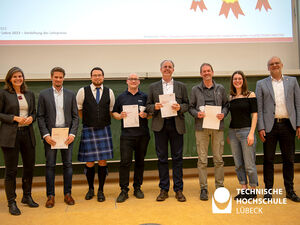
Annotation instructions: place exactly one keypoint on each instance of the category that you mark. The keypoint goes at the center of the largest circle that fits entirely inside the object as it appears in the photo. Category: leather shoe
(180, 197)
(69, 200)
(90, 194)
(122, 196)
(50, 201)
(163, 195)
(100, 196)
(203, 195)
(138, 193)
(292, 195)
(13, 209)
(27, 199)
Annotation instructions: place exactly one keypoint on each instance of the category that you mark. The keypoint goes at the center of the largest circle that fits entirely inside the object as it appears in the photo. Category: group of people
(274, 108)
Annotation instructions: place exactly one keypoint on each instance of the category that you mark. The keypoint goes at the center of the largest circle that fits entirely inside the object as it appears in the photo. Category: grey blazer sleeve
(74, 115)
(260, 106)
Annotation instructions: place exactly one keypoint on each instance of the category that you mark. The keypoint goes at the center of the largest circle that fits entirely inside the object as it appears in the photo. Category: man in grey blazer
(57, 108)
(278, 101)
(170, 129)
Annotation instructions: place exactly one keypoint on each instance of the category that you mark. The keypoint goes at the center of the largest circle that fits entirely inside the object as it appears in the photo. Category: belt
(280, 120)
(22, 128)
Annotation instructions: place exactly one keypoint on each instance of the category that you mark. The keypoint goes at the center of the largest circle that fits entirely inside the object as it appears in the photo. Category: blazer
(266, 102)
(9, 107)
(181, 96)
(46, 112)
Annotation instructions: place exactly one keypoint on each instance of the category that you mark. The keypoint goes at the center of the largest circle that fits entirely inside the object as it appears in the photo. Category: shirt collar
(93, 87)
(167, 83)
(58, 92)
(281, 79)
(129, 93)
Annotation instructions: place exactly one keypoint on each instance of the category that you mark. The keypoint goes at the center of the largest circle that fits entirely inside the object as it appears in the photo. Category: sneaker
(203, 195)
(292, 195)
(122, 196)
(138, 193)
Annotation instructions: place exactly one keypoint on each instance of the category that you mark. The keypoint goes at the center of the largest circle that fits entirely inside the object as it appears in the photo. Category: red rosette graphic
(233, 5)
(263, 3)
(198, 3)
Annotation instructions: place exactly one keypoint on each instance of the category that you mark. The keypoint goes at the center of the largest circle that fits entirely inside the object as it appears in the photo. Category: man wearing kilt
(95, 103)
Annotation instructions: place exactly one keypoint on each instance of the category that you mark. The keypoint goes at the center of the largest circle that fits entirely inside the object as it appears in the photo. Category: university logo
(221, 201)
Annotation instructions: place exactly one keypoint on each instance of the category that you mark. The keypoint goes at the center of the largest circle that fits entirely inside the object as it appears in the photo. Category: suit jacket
(266, 102)
(181, 95)
(46, 113)
(9, 107)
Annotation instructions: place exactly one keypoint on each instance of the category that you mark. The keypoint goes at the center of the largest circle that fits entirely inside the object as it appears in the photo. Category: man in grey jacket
(208, 92)
(278, 104)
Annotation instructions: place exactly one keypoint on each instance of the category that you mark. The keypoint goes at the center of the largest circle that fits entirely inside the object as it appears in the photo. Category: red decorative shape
(197, 3)
(235, 7)
(261, 3)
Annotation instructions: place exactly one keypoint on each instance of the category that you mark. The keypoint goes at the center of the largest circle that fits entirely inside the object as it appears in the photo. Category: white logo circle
(221, 195)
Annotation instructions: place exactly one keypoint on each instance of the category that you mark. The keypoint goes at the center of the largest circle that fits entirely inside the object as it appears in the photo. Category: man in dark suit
(170, 129)
(278, 102)
(57, 108)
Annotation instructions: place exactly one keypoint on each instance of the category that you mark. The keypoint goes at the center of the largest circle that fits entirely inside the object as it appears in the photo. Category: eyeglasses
(133, 79)
(97, 75)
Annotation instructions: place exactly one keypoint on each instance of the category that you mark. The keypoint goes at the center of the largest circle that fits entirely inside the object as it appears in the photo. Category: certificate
(132, 118)
(167, 101)
(60, 135)
(210, 121)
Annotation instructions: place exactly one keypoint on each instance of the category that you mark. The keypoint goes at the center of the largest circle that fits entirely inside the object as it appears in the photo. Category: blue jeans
(244, 156)
(66, 156)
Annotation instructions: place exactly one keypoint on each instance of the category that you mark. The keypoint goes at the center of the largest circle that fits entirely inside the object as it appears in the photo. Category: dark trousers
(11, 158)
(162, 139)
(66, 156)
(128, 145)
(285, 135)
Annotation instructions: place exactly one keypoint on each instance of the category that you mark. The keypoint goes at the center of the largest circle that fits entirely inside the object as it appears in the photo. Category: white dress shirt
(280, 104)
(168, 87)
(59, 105)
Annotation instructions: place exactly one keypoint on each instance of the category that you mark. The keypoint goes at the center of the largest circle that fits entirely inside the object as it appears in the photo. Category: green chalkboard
(118, 86)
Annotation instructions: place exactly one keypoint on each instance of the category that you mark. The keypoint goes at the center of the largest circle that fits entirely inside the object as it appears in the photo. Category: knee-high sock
(102, 173)
(90, 176)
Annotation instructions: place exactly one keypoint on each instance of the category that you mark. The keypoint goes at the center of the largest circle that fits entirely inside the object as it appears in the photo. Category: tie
(98, 95)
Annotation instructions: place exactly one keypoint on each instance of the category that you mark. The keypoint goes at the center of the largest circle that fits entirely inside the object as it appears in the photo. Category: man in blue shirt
(132, 138)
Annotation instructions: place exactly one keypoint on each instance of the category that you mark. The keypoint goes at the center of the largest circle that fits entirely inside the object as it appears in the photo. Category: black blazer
(9, 107)
(46, 112)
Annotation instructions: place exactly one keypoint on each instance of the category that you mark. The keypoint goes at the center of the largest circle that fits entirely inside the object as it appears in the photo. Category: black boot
(13, 208)
(90, 176)
(102, 173)
(27, 199)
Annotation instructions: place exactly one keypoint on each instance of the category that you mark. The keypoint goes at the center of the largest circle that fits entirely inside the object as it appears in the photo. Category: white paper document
(210, 121)
(167, 101)
(60, 135)
(132, 118)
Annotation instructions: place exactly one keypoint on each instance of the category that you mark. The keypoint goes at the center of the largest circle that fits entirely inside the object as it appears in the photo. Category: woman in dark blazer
(17, 113)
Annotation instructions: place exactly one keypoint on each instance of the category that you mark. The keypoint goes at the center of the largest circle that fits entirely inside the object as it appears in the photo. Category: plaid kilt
(95, 144)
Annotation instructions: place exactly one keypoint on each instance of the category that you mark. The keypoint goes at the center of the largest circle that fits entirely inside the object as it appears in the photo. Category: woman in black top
(243, 109)
(17, 113)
